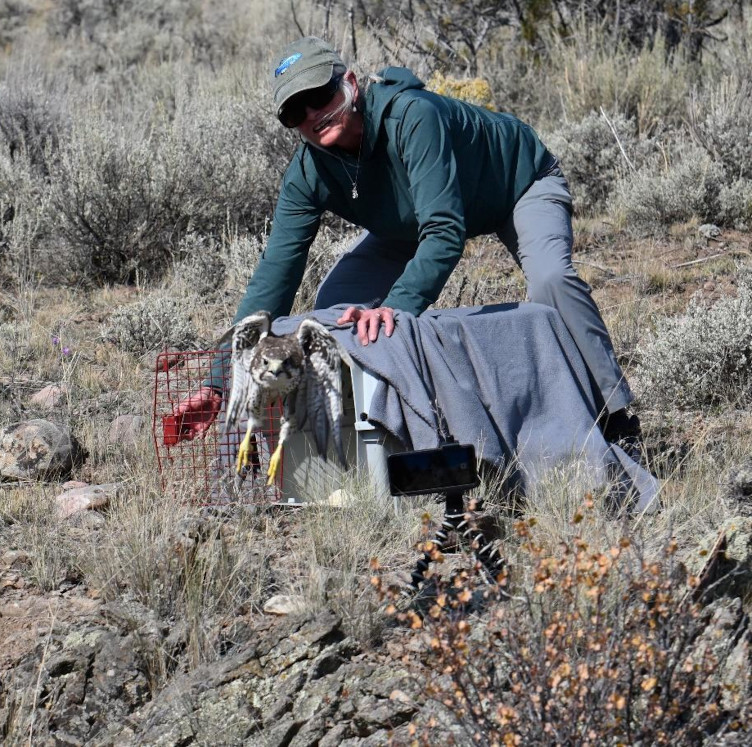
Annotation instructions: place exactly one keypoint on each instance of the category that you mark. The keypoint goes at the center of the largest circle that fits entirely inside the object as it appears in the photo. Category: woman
(421, 173)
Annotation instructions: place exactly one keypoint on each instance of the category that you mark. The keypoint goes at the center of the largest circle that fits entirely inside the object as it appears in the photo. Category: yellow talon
(244, 453)
(274, 463)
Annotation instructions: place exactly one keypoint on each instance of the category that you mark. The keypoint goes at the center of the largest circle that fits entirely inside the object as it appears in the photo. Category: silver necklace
(354, 182)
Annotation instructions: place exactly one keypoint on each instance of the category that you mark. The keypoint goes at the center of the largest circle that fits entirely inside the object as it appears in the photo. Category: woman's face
(326, 128)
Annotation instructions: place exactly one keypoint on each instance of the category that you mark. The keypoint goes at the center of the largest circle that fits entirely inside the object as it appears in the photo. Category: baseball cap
(306, 63)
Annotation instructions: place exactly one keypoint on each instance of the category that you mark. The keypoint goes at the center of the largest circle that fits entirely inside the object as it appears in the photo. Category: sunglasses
(293, 113)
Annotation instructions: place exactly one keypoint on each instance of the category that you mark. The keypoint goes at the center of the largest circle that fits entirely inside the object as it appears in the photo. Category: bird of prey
(302, 368)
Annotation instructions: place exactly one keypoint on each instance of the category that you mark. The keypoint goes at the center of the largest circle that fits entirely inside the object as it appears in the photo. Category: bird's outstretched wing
(320, 398)
(244, 396)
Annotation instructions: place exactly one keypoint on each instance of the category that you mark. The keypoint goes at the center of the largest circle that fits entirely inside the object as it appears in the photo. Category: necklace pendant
(355, 192)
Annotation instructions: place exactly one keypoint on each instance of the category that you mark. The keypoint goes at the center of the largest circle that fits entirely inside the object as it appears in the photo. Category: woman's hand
(368, 322)
(198, 412)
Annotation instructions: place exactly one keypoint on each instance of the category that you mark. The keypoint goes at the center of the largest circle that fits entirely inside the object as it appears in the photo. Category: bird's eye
(265, 360)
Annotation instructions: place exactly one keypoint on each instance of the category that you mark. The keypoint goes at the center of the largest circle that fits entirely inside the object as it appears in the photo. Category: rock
(295, 682)
(92, 674)
(281, 604)
(725, 621)
(189, 534)
(737, 672)
(88, 520)
(12, 581)
(86, 498)
(126, 429)
(38, 449)
(340, 498)
(738, 549)
(48, 397)
(709, 231)
(10, 557)
(723, 559)
(739, 486)
(71, 484)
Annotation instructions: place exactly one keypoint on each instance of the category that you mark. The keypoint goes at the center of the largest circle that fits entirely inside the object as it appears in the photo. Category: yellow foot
(245, 452)
(274, 463)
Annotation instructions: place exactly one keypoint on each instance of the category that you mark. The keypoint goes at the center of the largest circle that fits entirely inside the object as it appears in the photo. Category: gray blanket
(508, 379)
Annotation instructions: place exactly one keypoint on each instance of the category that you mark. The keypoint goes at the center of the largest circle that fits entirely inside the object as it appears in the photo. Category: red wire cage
(202, 471)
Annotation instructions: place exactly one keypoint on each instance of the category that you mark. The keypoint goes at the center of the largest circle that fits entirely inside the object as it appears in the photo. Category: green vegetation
(139, 165)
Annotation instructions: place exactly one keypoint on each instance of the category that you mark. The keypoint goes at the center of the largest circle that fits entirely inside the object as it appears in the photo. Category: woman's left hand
(368, 322)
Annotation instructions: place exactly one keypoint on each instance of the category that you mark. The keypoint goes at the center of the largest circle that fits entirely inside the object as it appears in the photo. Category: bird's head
(276, 365)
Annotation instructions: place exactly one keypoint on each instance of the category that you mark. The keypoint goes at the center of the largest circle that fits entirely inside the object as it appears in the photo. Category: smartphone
(448, 467)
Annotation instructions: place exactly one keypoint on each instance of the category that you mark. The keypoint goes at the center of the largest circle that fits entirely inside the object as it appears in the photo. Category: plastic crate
(203, 470)
(307, 477)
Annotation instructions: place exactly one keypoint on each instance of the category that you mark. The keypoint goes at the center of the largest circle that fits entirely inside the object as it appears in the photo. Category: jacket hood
(384, 87)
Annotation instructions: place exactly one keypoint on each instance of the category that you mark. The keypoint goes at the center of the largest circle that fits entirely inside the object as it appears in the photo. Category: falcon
(302, 368)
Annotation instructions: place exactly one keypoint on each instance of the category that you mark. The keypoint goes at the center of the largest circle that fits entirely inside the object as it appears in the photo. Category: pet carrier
(203, 470)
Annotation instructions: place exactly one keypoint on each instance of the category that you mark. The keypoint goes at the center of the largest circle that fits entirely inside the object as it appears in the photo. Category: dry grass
(329, 548)
(330, 563)
(209, 571)
(182, 565)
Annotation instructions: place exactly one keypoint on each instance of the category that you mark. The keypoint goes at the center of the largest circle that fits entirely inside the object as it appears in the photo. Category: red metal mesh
(203, 470)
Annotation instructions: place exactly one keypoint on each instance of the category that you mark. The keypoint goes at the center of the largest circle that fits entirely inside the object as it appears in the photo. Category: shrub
(151, 324)
(736, 204)
(33, 116)
(473, 90)
(126, 191)
(702, 357)
(242, 254)
(114, 199)
(14, 15)
(591, 158)
(219, 151)
(577, 73)
(599, 646)
(33, 119)
(202, 267)
(129, 31)
(719, 118)
(24, 217)
(647, 202)
(111, 36)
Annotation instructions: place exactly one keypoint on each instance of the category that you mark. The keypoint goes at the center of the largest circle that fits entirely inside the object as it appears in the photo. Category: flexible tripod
(455, 520)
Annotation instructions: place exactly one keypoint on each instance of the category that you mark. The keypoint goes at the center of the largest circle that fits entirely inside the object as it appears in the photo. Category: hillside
(139, 165)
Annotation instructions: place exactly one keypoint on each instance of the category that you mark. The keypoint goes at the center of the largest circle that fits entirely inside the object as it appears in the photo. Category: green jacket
(432, 169)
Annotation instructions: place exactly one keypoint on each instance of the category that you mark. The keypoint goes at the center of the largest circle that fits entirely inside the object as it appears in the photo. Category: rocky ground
(81, 664)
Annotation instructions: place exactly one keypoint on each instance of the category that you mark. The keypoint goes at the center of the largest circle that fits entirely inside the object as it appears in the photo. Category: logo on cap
(291, 60)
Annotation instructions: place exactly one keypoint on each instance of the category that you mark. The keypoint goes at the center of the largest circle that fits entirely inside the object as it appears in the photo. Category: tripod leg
(454, 520)
(486, 552)
(438, 543)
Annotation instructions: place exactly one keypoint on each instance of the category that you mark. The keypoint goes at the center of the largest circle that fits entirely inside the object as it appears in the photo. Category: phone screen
(449, 467)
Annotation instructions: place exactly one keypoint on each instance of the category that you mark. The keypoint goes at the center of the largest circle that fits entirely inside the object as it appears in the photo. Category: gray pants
(539, 236)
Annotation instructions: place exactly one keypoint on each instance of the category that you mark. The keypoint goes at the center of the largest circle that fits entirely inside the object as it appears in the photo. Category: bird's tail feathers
(320, 429)
(338, 445)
